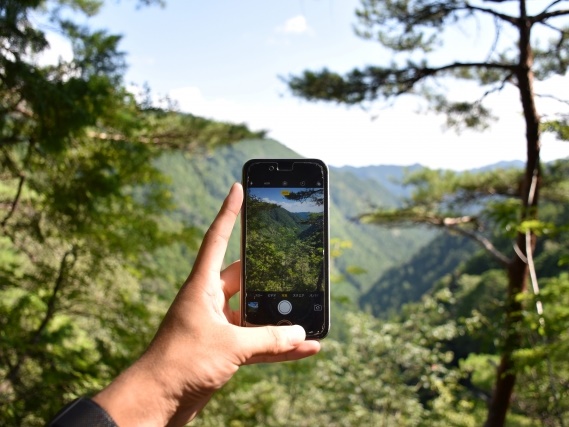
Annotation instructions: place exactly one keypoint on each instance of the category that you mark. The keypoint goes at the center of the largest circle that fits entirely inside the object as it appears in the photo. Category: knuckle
(278, 341)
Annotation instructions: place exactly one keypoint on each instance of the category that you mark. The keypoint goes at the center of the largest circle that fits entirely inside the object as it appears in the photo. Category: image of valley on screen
(285, 240)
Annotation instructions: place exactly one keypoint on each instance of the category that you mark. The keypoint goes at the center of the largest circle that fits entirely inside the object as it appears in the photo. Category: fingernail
(296, 334)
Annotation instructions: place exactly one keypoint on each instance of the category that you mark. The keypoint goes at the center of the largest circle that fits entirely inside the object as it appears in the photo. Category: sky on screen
(277, 196)
(224, 59)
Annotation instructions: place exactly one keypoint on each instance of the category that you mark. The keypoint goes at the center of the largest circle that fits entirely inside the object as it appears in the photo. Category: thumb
(271, 340)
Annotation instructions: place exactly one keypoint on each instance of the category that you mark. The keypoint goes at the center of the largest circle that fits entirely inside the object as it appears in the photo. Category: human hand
(199, 345)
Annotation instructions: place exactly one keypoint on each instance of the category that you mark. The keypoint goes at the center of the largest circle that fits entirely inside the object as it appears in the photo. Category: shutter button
(284, 307)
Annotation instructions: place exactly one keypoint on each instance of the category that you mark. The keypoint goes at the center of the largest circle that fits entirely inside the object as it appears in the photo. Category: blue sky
(222, 59)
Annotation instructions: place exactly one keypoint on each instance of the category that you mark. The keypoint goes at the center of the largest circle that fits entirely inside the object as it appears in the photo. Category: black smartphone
(285, 245)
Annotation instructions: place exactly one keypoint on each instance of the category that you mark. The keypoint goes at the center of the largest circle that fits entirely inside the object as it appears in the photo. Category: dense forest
(288, 242)
(104, 197)
(419, 344)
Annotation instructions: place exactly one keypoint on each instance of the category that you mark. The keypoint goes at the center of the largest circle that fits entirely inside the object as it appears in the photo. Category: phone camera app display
(285, 236)
(285, 243)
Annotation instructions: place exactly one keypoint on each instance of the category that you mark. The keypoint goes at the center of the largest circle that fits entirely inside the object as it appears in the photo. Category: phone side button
(284, 322)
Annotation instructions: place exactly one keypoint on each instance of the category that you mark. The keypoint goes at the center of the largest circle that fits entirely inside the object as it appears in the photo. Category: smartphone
(285, 245)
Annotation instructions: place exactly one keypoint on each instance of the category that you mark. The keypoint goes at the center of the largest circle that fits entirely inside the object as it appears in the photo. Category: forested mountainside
(409, 281)
(429, 355)
(95, 240)
(199, 184)
(379, 268)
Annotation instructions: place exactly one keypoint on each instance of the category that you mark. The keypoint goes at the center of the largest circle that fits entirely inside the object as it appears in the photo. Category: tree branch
(420, 73)
(14, 203)
(449, 223)
(561, 32)
(555, 98)
(551, 5)
(508, 18)
(21, 182)
(13, 374)
(64, 266)
(482, 241)
(544, 16)
(498, 88)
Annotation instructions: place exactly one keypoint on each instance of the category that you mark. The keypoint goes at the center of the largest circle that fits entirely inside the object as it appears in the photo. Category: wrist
(138, 397)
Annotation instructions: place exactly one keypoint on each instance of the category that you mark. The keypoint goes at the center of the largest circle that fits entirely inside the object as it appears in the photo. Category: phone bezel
(286, 164)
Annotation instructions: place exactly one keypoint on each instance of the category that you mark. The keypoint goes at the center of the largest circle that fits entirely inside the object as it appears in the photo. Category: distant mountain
(280, 217)
(199, 184)
(303, 216)
(506, 164)
(389, 176)
(441, 256)
(392, 264)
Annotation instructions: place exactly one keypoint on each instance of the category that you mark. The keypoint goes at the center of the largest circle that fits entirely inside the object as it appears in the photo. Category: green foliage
(198, 187)
(409, 281)
(483, 206)
(82, 212)
(96, 237)
(558, 127)
(381, 376)
(285, 243)
(543, 358)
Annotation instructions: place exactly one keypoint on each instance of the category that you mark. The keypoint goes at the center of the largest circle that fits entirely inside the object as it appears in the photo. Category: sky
(276, 195)
(226, 59)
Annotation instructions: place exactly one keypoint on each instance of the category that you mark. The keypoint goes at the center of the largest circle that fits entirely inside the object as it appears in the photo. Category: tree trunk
(505, 373)
(517, 268)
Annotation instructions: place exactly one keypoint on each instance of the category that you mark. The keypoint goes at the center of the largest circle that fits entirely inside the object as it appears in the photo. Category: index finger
(212, 250)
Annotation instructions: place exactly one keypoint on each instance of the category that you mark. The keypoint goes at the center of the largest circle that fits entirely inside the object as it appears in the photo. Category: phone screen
(285, 245)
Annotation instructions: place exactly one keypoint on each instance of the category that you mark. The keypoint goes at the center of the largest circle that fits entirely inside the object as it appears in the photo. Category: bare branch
(67, 261)
(555, 98)
(482, 241)
(14, 203)
(544, 16)
(22, 178)
(498, 88)
(496, 39)
(508, 18)
(457, 221)
(551, 5)
(561, 31)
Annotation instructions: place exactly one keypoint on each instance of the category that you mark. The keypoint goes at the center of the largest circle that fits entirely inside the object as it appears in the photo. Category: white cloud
(295, 25)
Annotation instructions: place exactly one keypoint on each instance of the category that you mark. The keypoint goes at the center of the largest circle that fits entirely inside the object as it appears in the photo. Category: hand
(199, 345)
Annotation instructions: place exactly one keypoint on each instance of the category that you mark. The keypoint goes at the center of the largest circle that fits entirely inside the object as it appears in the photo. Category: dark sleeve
(82, 412)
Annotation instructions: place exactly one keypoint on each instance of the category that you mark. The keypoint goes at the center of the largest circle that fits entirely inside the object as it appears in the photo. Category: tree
(413, 30)
(82, 208)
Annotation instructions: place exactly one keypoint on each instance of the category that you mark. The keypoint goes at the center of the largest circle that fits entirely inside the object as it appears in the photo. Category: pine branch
(456, 224)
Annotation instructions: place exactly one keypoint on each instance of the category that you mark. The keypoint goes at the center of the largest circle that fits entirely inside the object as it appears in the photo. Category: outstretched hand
(199, 345)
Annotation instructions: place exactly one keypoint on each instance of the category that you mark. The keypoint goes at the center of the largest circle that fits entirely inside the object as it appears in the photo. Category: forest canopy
(104, 196)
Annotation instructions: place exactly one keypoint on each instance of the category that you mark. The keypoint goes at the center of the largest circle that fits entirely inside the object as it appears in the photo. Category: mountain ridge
(200, 183)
